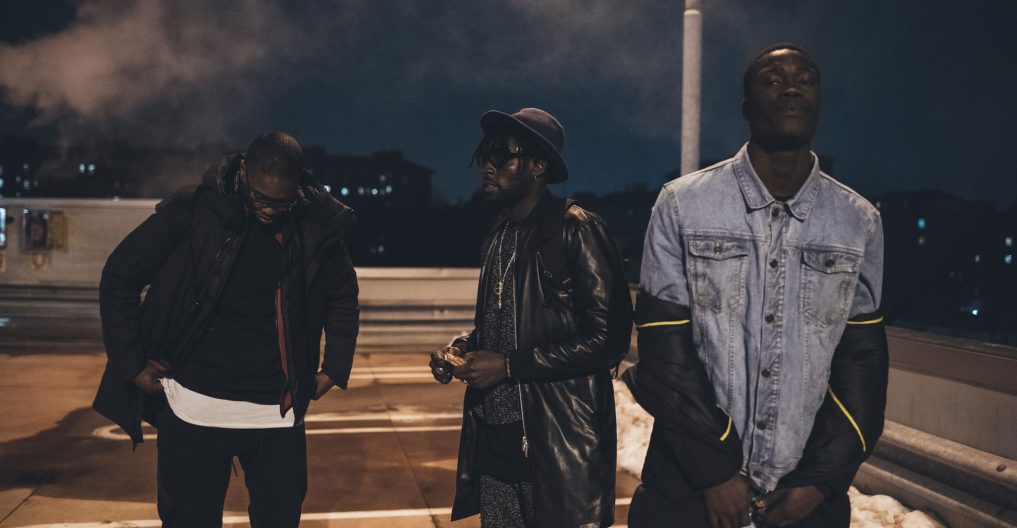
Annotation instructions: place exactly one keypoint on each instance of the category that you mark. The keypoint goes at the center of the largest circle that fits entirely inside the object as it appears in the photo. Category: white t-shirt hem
(198, 409)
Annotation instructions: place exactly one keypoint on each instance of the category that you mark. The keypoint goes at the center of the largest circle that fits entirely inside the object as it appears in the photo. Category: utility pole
(692, 57)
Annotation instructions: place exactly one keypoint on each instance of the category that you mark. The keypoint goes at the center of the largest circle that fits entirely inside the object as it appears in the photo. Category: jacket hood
(318, 208)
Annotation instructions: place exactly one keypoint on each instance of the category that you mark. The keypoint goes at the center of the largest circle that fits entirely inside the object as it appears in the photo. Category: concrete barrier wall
(93, 228)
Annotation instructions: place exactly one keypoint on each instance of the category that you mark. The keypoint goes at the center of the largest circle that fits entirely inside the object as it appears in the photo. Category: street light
(692, 55)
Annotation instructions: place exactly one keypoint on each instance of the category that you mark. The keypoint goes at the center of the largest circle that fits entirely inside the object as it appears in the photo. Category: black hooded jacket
(184, 254)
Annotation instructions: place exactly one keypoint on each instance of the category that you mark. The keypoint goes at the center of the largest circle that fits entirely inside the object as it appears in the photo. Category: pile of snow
(867, 511)
(634, 425)
(882, 510)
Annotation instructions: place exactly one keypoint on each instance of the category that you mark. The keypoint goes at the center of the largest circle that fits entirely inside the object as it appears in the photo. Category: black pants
(651, 508)
(194, 472)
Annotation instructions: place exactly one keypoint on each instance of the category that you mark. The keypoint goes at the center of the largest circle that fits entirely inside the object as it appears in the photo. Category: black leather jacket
(184, 253)
(694, 447)
(571, 332)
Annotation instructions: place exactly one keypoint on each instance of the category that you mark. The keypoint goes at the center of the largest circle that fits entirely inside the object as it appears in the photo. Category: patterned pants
(505, 504)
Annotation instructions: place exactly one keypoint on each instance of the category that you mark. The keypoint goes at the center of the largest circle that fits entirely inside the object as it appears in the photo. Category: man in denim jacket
(762, 352)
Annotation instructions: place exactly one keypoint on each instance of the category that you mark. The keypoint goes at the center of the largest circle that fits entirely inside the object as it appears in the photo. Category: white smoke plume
(147, 69)
(125, 65)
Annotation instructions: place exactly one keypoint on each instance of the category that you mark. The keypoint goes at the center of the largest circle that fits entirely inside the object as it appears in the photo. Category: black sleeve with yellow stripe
(850, 421)
(670, 382)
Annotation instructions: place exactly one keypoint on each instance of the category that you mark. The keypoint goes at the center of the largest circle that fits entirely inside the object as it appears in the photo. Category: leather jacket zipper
(525, 446)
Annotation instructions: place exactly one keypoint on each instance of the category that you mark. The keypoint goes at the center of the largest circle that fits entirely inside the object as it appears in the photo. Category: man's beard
(507, 197)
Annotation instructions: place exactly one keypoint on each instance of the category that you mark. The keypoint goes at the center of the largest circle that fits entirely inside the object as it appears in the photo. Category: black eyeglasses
(260, 201)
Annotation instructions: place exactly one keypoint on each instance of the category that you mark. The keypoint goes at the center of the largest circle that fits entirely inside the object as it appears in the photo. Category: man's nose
(790, 90)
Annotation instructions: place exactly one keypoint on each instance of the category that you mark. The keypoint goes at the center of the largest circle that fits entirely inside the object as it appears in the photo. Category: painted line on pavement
(392, 375)
(113, 432)
(417, 368)
(326, 516)
(380, 416)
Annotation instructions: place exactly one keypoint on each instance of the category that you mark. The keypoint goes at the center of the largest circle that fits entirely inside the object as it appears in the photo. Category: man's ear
(538, 168)
(242, 171)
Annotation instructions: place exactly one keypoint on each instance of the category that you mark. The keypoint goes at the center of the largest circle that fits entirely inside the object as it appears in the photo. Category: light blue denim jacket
(771, 288)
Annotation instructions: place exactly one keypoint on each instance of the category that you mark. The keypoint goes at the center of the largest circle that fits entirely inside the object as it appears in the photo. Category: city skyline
(921, 102)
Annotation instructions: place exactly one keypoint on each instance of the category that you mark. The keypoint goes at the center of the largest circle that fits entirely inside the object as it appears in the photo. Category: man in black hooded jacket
(223, 355)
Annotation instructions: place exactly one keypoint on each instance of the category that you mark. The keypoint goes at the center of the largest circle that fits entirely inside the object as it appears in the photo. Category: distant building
(390, 195)
(384, 179)
(950, 264)
(100, 170)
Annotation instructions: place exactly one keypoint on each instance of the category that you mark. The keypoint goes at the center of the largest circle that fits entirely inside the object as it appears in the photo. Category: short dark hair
(757, 62)
(276, 153)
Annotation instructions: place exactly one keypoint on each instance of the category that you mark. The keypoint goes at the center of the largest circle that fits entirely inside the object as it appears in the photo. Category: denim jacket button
(761, 425)
(829, 263)
(773, 263)
(765, 373)
(769, 318)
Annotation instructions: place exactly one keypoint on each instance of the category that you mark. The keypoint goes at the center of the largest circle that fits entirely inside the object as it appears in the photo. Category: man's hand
(728, 504)
(324, 384)
(483, 369)
(791, 505)
(148, 380)
(441, 369)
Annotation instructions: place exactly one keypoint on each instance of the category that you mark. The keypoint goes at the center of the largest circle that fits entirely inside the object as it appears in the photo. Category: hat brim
(495, 120)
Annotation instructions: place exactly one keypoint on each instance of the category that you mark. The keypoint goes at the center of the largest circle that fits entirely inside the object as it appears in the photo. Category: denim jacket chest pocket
(828, 280)
(717, 267)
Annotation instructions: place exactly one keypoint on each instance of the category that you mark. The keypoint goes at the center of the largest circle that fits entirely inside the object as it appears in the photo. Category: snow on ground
(867, 511)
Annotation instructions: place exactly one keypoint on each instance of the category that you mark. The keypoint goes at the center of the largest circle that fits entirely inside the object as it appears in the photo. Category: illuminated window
(328, 188)
(1008, 240)
(921, 241)
(374, 192)
(1008, 259)
(978, 258)
(921, 223)
(345, 191)
(975, 312)
(388, 189)
(81, 168)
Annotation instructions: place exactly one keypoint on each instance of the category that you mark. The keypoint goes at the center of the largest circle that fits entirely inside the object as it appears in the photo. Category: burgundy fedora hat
(538, 126)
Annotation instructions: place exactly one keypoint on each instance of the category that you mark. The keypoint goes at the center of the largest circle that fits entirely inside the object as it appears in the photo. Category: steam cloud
(159, 71)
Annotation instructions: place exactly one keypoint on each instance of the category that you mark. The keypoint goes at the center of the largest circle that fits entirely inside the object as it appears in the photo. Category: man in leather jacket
(762, 355)
(553, 320)
(223, 355)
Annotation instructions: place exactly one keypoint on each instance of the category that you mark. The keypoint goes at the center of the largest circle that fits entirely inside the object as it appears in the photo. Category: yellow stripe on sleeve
(664, 323)
(850, 418)
(874, 321)
(724, 436)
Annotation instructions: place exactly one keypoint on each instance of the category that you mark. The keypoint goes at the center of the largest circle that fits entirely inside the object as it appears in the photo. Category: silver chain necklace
(499, 287)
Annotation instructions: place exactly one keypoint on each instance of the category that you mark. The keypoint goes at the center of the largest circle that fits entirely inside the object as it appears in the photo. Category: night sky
(917, 95)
